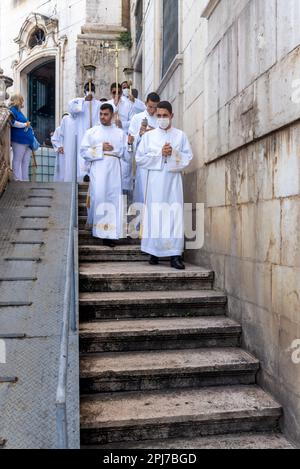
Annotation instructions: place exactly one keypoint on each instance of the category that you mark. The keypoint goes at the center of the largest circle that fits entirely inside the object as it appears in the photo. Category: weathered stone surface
(260, 326)
(159, 334)
(286, 292)
(255, 283)
(289, 355)
(221, 442)
(175, 414)
(261, 231)
(138, 277)
(86, 238)
(215, 179)
(287, 163)
(176, 369)
(290, 232)
(121, 305)
(105, 254)
(288, 36)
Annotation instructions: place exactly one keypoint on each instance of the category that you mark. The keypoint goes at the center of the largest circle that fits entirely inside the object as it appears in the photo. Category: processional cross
(117, 51)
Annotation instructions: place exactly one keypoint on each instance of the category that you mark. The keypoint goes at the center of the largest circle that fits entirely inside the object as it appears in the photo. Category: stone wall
(250, 182)
(235, 89)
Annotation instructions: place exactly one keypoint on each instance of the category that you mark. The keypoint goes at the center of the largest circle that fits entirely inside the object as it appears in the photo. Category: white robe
(125, 111)
(141, 173)
(137, 107)
(163, 234)
(59, 168)
(79, 109)
(68, 142)
(106, 203)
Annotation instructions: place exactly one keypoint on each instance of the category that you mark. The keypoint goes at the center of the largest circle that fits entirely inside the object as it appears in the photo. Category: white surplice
(79, 109)
(141, 173)
(68, 142)
(125, 111)
(59, 168)
(138, 106)
(106, 203)
(163, 221)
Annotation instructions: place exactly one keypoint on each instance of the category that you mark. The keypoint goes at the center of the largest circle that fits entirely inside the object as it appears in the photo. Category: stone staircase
(161, 364)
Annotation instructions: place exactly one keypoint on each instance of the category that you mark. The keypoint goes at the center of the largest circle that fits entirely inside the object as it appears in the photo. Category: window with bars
(138, 21)
(170, 33)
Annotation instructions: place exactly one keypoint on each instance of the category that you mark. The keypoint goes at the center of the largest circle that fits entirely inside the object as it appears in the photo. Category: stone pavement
(33, 246)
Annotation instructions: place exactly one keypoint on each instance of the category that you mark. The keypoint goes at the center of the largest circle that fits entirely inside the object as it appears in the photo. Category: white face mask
(164, 123)
(126, 92)
(87, 93)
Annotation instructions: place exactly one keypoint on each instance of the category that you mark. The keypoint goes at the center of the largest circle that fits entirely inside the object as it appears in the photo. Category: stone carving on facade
(36, 22)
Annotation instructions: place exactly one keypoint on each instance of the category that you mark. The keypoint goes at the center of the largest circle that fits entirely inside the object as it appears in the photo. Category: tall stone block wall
(249, 180)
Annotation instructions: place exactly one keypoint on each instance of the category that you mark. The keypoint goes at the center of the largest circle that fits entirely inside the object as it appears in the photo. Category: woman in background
(22, 138)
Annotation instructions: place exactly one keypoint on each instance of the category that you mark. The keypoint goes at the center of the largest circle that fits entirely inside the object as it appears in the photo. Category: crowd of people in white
(125, 149)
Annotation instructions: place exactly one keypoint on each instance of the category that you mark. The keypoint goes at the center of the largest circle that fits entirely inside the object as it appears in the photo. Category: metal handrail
(70, 316)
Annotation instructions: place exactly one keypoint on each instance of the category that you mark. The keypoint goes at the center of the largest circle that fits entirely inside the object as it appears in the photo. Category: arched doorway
(38, 83)
(41, 101)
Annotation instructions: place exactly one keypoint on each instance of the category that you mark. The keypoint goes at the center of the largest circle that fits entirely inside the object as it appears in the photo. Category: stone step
(159, 334)
(157, 415)
(81, 222)
(86, 239)
(82, 210)
(158, 370)
(82, 195)
(83, 187)
(149, 304)
(140, 276)
(121, 253)
(233, 441)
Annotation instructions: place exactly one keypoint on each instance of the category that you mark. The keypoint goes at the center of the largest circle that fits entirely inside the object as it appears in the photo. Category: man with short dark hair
(122, 107)
(164, 152)
(103, 147)
(140, 124)
(85, 111)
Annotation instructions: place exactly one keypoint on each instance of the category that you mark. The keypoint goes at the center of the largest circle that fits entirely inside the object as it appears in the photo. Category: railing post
(69, 316)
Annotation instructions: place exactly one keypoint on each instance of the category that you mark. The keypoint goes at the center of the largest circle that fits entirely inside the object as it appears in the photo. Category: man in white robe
(103, 147)
(137, 105)
(85, 111)
(59, 167)
(63, 142)
(164, 152)
(139, 125)
(68, 143)
(123, 112)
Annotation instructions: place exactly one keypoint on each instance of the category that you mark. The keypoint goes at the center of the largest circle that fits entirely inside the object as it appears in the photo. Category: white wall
(104, 12)
(69, 14)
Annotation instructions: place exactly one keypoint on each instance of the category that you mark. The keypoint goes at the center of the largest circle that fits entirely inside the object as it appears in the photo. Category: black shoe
(176, 263)
(109, 243)
(86, 178)
(153, 260)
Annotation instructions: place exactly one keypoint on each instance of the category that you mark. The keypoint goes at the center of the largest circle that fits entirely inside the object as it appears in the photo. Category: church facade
(231, 70)
(45, 46)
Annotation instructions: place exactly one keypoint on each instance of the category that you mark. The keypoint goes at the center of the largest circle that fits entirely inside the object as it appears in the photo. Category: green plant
(125, 39)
